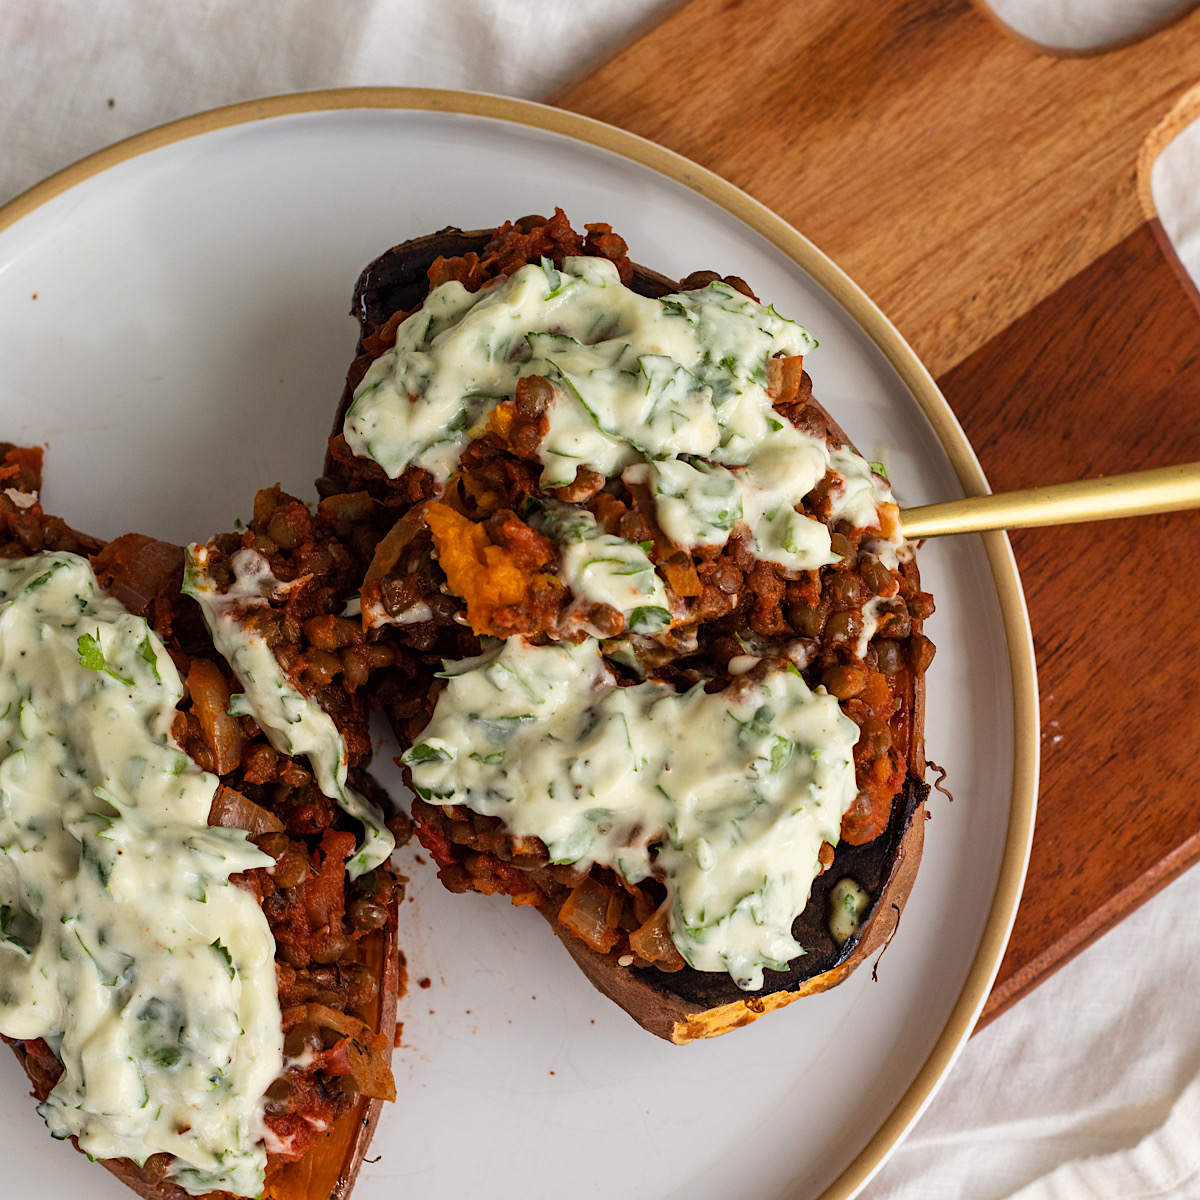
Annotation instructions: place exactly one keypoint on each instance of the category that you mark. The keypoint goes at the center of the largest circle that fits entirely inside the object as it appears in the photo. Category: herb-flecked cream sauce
(679, 380)
(293, 722)
(740, 787)
(122, 941)
(726, 797)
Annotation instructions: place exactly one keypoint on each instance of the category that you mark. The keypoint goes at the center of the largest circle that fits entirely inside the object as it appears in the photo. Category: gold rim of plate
(906, 364)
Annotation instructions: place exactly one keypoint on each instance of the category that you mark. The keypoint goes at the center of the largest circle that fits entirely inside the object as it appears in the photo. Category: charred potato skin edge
(396, 281)
(355, 1129)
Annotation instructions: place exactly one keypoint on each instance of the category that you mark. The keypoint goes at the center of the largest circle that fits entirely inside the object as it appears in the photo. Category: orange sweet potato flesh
(331, 1167)
(495, 581)
(485, 576)
(688, 1005)
(136, 570)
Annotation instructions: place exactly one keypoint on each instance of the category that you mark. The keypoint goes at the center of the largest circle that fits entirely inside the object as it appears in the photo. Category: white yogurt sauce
(638, 380)
(294, 724)
(601, 568)
(375, 616)
(697, 503)
(122, 941)
(847, 904)
(671, 394)
(740, 788)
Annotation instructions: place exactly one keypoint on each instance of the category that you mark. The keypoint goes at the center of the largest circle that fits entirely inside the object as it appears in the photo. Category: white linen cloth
(1175, 183)
(1065, 1096)
(76, 76)
(1080, 24)
(1082, 1091)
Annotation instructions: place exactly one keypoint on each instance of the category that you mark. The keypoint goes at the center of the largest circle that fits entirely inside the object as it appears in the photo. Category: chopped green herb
(781, 751)
(224, 955)
(554, 279)
(19, 929)
(146, 653)
(92, 657)
(423, 752)
(650, 618)
(164, 1056)
(44, 577)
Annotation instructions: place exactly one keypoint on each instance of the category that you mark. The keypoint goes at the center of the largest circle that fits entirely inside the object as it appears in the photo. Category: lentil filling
(473, 556)
(327, 927)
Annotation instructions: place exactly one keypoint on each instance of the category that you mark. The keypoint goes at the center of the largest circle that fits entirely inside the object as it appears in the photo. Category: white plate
(172, 325)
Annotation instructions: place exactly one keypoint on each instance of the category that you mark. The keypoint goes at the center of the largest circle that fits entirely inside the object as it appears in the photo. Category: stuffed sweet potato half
(663, 658)
(200, 960)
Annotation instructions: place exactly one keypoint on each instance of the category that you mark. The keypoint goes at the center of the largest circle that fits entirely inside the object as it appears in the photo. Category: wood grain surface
(1103, 375)
(986, 197)
(958, 176)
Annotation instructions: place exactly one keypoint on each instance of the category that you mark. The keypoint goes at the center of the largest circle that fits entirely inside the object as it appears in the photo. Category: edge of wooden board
(664, 13)
(1022, 982)
(1178, 117)
(1086, 51)
(1184, 112)
(1006, 993)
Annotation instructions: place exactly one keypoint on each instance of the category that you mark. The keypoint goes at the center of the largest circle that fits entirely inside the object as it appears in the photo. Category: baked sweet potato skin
(397, 282)
(681, 1005)
(145, 575)
(332, 1167)
(688, 1005)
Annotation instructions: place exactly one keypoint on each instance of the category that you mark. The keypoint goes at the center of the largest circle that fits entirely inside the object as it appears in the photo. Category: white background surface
(1090, 1062)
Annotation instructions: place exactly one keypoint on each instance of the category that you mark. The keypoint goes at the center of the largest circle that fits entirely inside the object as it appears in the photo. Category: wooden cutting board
(985, 196)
